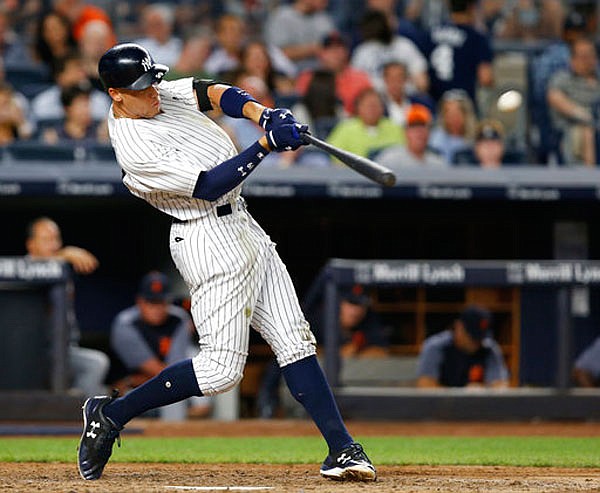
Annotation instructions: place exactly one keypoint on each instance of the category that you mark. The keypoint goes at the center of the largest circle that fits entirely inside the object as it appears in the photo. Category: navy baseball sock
(307, 384)
(173, 384)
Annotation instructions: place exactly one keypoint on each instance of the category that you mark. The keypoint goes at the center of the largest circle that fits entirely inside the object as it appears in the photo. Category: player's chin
(152, 112)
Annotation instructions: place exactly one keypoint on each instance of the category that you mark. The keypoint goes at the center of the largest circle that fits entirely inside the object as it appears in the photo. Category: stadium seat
(323, 126)
(102, 152)
(36, 151)
(286, 100)
(18, 77)
(32, 89)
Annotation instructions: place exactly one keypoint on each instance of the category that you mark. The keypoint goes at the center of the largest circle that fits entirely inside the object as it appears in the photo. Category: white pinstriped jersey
(163, 156)
(234, 273)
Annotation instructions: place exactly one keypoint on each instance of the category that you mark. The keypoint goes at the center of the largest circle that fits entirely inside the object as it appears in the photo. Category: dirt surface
(305, 478)
(292, 479)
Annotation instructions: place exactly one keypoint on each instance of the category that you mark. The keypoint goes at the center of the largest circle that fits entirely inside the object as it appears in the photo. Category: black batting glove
(286, 137)
(273, 118)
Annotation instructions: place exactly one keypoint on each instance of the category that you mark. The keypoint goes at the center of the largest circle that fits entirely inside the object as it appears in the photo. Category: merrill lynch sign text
(417, 272)
(20, 269)
(455, 272)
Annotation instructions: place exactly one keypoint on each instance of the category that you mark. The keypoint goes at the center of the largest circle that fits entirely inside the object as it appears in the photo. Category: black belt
(222, 210)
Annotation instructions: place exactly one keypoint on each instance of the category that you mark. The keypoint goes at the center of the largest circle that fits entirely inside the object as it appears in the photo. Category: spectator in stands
(489, 144)
(297, 30)
(379, 46)
(542, 67)
(370, 130)
(489, 150)
(95, 40)
(531, 20)
(334, 56)
(78, 125)
(196, 50)
(460, 57)
(88, 367)
(257, 59)
(158, 22)
(69, 72)
(586, 371)
(13, 51)
(455, 129)
(320, 107)
(416, 152)
(151, 335)
(573, 96)
(53, 39)
(397, 101)
(464, 355)
(13, 121)
(427, 14)
(80, 14)
(231, 36)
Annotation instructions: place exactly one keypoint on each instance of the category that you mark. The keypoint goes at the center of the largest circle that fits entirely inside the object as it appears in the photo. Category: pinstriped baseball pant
(237, 279)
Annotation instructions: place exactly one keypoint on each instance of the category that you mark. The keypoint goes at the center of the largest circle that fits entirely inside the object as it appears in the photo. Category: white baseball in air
(509, 100)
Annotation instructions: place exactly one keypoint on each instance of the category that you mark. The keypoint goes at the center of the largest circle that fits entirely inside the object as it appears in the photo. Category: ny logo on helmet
(147, 64)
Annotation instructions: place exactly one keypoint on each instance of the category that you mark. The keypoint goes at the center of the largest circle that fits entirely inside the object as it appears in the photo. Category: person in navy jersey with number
(460, 57)
(463, 356)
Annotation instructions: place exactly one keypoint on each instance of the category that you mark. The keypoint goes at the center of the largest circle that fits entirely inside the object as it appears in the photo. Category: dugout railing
(561, 401)
(34, 381)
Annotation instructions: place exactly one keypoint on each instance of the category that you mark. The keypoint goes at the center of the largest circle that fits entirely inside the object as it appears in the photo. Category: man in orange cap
(415, 152)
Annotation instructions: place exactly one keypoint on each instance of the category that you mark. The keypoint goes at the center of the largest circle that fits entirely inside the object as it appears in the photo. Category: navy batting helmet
(129, 66)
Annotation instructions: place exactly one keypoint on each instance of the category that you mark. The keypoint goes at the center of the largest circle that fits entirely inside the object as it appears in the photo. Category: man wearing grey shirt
(415, 153)
(152, 335)
(464, 356)
(298, 29)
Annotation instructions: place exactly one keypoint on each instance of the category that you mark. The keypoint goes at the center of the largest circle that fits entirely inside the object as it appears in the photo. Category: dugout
(562, 282)
(525, 213)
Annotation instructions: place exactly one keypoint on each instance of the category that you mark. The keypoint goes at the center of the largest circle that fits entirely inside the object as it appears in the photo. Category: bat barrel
(370, 169)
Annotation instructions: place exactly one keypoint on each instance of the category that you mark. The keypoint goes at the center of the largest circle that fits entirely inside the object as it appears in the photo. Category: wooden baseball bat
(372, 170)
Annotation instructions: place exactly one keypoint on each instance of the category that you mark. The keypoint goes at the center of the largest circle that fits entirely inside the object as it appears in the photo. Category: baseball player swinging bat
(372, 170)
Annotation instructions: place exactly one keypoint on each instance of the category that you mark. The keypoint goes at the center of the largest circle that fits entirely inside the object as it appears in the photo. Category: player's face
(351, 314)
(136, 104)
(46, 240)
(463, 340)
(153, 312)
(417, 137)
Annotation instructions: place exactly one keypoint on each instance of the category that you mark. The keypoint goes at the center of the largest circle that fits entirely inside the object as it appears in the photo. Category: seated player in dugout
(464, 355)
(362, 332)
(586, 370)
(151, 335)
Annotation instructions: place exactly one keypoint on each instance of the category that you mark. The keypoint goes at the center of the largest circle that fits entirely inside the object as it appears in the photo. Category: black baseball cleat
(99, 435)
(350, 464)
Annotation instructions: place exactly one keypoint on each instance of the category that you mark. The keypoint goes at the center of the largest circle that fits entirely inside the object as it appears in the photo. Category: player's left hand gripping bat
(372, 170)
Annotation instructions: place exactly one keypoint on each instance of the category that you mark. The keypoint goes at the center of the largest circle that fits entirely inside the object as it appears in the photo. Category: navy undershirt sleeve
(224, 177)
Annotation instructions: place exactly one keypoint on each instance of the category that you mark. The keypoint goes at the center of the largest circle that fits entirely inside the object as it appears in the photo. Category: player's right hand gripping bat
(372, 170)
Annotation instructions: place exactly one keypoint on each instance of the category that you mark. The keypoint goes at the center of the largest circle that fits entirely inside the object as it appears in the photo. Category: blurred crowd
(405, 82)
